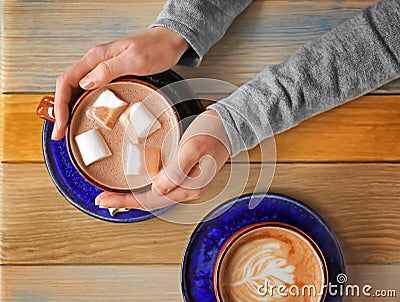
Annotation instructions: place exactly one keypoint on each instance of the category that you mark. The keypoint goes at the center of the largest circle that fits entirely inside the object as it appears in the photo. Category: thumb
(105, 72)
(178, 169)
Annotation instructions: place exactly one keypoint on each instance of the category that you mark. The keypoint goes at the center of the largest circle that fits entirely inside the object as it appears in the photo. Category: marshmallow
(92, 146)
(133, 138)
(141, 162)
(107, 109)
(114, 211)
(141, 120)
(134, 160)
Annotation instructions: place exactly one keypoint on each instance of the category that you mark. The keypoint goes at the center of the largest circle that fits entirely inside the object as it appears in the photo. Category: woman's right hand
(152, 51)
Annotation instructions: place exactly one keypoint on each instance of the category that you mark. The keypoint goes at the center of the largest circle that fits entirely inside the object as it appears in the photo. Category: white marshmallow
(92, 146)
(114, 211)
(107, 108)
(129, 129)
(134, 160)
(108, 99)
(143, 162)
(142, 121)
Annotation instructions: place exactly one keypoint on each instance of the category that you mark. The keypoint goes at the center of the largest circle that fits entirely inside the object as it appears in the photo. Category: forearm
(356, 57)
(201, 22)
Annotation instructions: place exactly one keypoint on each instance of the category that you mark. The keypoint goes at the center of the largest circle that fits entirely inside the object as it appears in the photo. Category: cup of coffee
(120, 135)
(268, 262)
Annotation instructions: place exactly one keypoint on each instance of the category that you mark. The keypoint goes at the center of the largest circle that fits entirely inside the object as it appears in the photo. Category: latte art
(264, 265)
(273, 256)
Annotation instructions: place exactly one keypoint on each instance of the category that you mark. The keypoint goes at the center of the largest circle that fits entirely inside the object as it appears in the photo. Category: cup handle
(45, 110)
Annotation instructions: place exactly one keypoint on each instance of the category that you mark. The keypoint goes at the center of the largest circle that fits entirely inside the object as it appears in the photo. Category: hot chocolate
(258, 261)
(109, 172)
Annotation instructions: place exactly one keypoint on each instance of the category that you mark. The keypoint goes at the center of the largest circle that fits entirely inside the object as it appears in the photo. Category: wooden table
(343, 163)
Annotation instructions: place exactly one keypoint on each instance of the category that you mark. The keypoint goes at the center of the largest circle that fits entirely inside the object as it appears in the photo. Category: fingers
(198, 160)
(204, 142)
(131, 201)
(132, 60)
(176, 172)
(102, 196)
(153, 51)
(67, 86)
(148, 200)
(105, 72)
(61, 113)
(117, 200)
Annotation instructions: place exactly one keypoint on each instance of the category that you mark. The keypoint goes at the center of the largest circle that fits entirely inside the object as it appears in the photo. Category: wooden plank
(142, 282)
(42, 38)
(359, 202)
(364, 130)
(380, 277)
(91, 283)
(20, 128)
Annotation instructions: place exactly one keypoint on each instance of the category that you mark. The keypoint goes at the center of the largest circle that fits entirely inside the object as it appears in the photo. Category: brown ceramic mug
(256, 260)
(108, 174)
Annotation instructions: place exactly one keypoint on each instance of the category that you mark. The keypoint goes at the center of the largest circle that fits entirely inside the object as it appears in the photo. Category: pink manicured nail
(87, 83)
(56, 128)
(53, 135)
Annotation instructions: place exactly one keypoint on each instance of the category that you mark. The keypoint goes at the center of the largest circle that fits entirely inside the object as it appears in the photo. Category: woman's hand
(152, 51)
(203, 150)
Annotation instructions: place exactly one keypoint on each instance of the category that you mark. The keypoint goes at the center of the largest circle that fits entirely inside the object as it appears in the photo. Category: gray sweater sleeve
(352, 59)
(201, 22)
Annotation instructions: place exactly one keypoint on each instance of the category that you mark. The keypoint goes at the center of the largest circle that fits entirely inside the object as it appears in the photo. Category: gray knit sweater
(354, 58)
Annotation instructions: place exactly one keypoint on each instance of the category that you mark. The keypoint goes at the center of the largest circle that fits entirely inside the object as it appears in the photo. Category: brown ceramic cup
(256, 260)
(108, 174)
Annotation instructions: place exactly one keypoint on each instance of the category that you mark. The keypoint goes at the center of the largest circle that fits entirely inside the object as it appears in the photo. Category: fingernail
(97, 201)
(87, 83)
(55, 129)
(100, 204)
(53, 135)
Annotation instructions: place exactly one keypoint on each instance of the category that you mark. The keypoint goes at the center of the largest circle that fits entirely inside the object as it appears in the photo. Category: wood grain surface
(343, 163)
(359, 202)
(363, 130)
(42, 38)
(143, 282)
(91, 283)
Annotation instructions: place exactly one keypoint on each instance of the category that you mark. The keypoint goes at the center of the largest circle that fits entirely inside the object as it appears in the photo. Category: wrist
(177, 42)
(208, 123)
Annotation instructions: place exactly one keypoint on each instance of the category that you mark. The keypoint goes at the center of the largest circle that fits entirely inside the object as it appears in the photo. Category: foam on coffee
(109, 172)
(272, 255)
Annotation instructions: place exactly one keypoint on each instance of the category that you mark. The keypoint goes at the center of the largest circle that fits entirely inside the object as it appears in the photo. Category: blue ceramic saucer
(81, 193)
(74, 187)
(210, 235)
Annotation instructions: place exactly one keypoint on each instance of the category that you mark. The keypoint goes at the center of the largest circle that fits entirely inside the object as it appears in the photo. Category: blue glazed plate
(81, 193)
(74, 187)
(211, 234)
